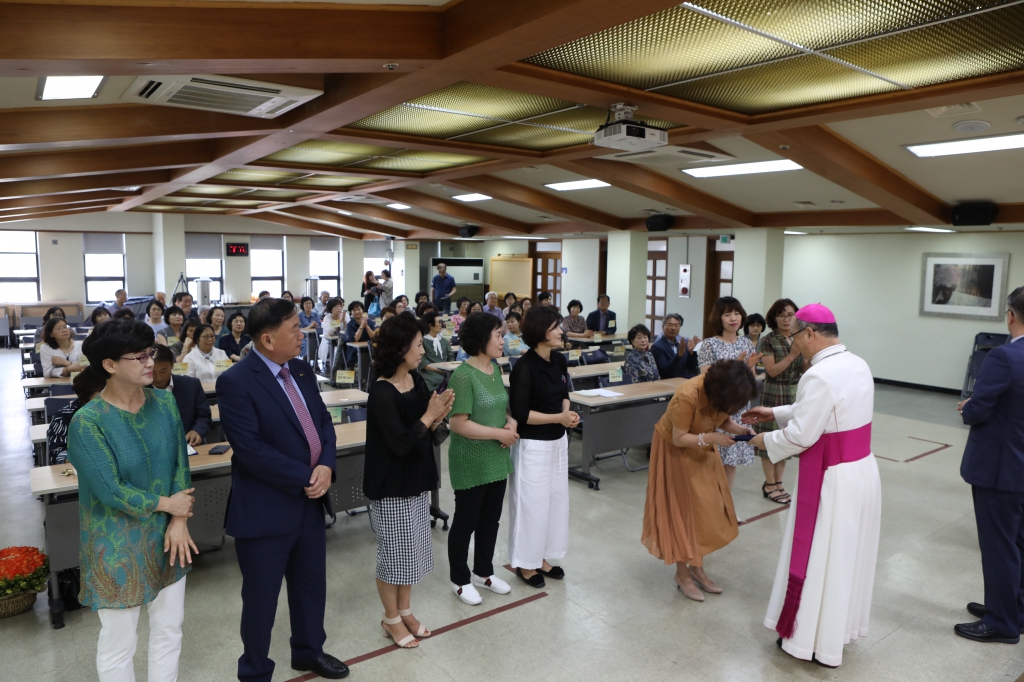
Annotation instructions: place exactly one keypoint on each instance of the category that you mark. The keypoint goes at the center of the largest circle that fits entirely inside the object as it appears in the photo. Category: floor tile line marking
(917, 457)
(764, 515)
(927, 441)
(925, 454)
(436, 632)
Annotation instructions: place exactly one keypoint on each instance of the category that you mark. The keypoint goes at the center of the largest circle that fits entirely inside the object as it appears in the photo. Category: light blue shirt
(276, 370)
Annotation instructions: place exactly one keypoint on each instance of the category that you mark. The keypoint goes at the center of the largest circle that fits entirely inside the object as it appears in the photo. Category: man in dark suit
(673, 353)
(282, 467)
(188, 394)
(994, 466)
(602, 320)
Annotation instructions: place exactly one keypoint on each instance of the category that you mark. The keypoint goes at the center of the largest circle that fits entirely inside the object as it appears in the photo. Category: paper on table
(191, 450)
(599, 393)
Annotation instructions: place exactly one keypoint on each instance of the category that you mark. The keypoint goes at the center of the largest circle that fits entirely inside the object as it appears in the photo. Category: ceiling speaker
(975, 213)
(467, 231)
(660, 222)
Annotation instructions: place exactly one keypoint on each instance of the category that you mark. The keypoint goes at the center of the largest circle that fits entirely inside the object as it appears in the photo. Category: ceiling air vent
(671, 156)
(218, 93)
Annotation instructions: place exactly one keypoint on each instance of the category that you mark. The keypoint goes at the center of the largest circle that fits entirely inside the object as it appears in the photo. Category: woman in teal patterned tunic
(134, 490)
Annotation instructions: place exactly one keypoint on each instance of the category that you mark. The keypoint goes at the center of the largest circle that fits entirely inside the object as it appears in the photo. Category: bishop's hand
(758, 415)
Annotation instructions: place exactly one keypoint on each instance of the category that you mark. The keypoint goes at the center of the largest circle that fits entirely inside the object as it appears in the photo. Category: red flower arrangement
(23, 569)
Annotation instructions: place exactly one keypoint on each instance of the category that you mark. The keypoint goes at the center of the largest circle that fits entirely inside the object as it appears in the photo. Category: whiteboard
(512, 274)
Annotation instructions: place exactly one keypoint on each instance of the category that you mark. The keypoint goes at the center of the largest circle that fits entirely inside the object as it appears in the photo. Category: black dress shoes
(556, 573)
(535, 580)
(325, 666)
(977, 610)
(980, 632)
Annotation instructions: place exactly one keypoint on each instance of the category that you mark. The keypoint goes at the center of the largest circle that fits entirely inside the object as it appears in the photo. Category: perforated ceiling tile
(257, 176)
(181, 209)
(414, 161)
(662, 48)
(329, 153)
(220, 191)
(186, 201)
(781, 85)
(984, 44)
(282, 194)
(236, 203)
(332, 181)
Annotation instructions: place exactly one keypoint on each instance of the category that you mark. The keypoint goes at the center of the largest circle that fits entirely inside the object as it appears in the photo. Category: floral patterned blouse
(573, 325)
(711, 351)
(641, 367)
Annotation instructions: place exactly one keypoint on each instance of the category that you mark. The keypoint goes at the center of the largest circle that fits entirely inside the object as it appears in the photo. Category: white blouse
(200, 365)
(47, 354)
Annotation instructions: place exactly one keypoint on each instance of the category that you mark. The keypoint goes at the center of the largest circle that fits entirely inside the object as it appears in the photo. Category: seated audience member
(155, 316)
(217, 318)
(184, 345)
(235, 340)
(421, 297)
(424, 308)
(99, 315)
(120, 297)
(525, 304)
(640, 364)
(204, 314)
(513, 343)
(333, 325)
(387, 311)
(162, 297)
(183, 300)
(263, 294)
(602, 320)
(753, 328)
(321, 305)
(56, 311)
(672, 352)
(309, 321)
(544, 298)
(462, 306)
(435, 349)
(402, 306)
(476, 307)
(174, 317)
(574, 326)
(202, 358)
(188, 392)
(87, 386)
(491, 307)
(287, 295)
(124, 314)
(510, 300)
(60, 353)
(360, 328)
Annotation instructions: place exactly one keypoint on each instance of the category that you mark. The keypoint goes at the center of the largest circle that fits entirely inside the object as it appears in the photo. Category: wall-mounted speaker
(660, 222)
(975, 213)
(467, 231)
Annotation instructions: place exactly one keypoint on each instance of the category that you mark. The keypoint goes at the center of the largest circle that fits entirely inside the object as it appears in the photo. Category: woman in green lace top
(134, 490)
(479, 459)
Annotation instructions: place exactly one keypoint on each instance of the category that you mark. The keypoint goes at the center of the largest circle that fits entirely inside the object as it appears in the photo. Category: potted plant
(24, 571)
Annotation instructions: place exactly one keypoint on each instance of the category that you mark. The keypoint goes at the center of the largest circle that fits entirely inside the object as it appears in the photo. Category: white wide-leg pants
(116, 650)
(538, 502)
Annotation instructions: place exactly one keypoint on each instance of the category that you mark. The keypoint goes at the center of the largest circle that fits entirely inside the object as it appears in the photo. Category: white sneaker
(494, 584)
(467, 593)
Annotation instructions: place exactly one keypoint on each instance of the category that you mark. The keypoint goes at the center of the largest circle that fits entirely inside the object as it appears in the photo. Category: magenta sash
(830, 450)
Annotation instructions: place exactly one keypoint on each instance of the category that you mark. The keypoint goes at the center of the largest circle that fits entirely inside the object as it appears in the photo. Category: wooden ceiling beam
(293, 221)
(868, 217)
(661, 188)
(834, 158)
(338, 171)
(88, 183)
(41, 39)
(456, 209)
(60, 199)
(430, 144)
(403, 217)
(100, 204)
(98, 161)
(310, 213)
(529, 197)
(55, 213)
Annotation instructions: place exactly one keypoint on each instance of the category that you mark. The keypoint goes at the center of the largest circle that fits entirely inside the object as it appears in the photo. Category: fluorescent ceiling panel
(928, 229)
(70, 87)
(744, 169)
(972, 146)
(399, 207)
(577, 184)
(471, 197)
(793, 232)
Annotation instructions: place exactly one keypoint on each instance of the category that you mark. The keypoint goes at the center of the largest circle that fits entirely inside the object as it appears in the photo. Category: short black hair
(232, 319)
(212, 310)
(512, 295)
(153, 302)
(199, 332)
(473, 303)
(401, 297)
(355, 304)
(88, 384)
(122, 313)
(1015, 302)
(729, 385)
(672, 316)
(385, 273)
(754, 318)
(163, 354)
(513, 315)
(264, 294)
(289, 293)
(724, 305)
(421, 293)
(636, 331)
(543, 296)
(267, 315)
(605, 297)
(537, 322)
(50, 312)
(574, 303)
(48, 331)
(475, 332)
(176, 299)
(189, 323)
(173, 310)
(777, 309)
(394, 339)
(96, 313)
(112, 339)
(302, 302)
(425, 307)
(333, 302)
(428, 320)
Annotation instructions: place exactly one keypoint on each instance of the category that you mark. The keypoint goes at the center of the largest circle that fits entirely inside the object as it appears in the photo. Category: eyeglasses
(146, 356)
(785, 316)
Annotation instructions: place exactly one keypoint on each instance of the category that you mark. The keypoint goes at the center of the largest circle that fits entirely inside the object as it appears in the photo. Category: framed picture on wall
(970, 286)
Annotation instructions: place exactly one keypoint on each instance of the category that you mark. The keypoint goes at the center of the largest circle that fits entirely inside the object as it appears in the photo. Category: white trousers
(538, 502)
(115, 653)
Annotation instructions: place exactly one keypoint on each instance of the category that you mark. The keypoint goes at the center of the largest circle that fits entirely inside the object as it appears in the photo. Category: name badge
(446, 334)
(220, 366)
(376, 321)
(179, 368)
(514, 345)
(574, 355)
(335, 414)
(73, 375)
(619, 351)
(597, 337)
(171, 340)
(345, 376)
(615, 375)
(38, 346)
(610, 324)
(335, 323)
(83, 361)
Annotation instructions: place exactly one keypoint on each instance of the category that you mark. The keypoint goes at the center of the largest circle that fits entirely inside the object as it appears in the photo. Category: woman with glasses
(135, 497)
(55, 311)
(155, 316)
(60, 353)
(783, 366)
(202, 359)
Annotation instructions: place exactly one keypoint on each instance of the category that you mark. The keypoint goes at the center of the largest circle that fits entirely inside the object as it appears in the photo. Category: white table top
(629, 393)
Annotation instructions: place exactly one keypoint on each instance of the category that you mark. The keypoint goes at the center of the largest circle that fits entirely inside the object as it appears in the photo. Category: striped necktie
(312, 435)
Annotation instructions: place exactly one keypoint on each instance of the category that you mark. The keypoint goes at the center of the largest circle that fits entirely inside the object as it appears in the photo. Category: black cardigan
(541, 387)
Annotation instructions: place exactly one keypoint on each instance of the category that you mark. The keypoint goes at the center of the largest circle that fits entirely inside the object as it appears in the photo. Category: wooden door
(657, 287)
(547, 270)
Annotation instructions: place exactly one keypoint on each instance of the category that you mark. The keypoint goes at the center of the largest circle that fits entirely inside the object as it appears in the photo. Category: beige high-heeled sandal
(408, 642)
(423, 631)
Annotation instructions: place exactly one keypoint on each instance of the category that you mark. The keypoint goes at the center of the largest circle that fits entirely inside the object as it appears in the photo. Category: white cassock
(832, 413)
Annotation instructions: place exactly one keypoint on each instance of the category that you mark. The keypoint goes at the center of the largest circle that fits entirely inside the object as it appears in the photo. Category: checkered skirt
(402, 527)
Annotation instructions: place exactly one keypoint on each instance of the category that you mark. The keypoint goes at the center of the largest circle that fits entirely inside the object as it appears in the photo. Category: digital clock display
(236, 249)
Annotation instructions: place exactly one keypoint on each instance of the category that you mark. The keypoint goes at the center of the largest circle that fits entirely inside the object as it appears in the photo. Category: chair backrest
(594, 357)
(606, 382)
(61, 389)
(357, 414)
(989, 340)
(37, 368)
(53, 405)
(34, 357)
(512, 360)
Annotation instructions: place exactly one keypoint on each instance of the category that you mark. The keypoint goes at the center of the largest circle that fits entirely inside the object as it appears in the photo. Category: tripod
(182, 284)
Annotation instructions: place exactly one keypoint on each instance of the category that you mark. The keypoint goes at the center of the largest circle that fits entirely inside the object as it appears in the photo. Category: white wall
(61, 266)
(138, 251)
(758, 267)
(692, 308)
(237, 272)
(296, 265)
(580, 258)
(627, 276)
(873, 285)
(168, 250)
(494, 248)
(352, 270)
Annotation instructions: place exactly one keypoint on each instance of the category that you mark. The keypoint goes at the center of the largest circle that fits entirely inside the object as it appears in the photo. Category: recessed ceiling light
(971, 127)
(744, 168)
(467, 239)
(928, 229)
(471, 197)
(793, 232)
(68, 87)
(399, 207)
(343, 212)
(577, 184)
(133, 188)
(525, 237)
(984, 144)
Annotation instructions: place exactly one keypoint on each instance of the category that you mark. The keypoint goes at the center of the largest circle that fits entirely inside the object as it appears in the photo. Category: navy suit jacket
(594, 322)
(994, 456)
(670, 364)
(270, 464)
(192, 404)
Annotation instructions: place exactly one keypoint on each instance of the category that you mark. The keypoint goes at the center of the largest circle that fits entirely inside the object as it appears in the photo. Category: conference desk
(449, 367)
(619, 422)
(606, 340)
(584, 376)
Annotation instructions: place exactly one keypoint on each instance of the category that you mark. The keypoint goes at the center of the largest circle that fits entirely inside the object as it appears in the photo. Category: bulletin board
(512, 274)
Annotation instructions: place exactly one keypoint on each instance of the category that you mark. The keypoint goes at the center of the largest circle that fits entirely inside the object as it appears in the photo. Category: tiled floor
(617, 615)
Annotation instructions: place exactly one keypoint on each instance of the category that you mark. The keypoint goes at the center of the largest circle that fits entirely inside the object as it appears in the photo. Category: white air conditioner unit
(219, 93)
(671, 156)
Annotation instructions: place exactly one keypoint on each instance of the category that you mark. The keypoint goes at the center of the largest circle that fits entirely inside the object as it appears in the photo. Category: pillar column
(757, 268)
(627, 277)
(351, 269)
(168, 251)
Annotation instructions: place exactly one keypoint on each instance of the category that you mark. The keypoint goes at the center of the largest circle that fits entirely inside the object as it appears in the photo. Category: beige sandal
(408, 642)
(691, 591)
(423, 631)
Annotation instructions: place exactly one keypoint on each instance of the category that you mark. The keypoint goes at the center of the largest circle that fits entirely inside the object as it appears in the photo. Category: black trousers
(477, 510)
(1000, 518)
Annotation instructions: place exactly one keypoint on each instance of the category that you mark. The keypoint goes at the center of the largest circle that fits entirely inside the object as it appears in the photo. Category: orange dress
(689, 511)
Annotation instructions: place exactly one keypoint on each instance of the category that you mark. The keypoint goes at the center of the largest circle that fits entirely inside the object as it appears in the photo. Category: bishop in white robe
(821, 599)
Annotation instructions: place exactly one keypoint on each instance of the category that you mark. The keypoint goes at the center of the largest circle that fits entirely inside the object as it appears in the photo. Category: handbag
(440, 434)
(374, 310)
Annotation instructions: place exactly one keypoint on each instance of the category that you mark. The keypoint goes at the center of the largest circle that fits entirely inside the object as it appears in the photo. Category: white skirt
(538, 502)
(835, 604)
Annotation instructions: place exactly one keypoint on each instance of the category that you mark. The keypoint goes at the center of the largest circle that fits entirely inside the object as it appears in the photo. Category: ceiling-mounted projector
(626, 134)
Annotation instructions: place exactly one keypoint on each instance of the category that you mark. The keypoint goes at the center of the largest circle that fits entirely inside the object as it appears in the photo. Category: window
(19, 267)
(210, 268)
(104, 274)
(326, 266)
(267, 269)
